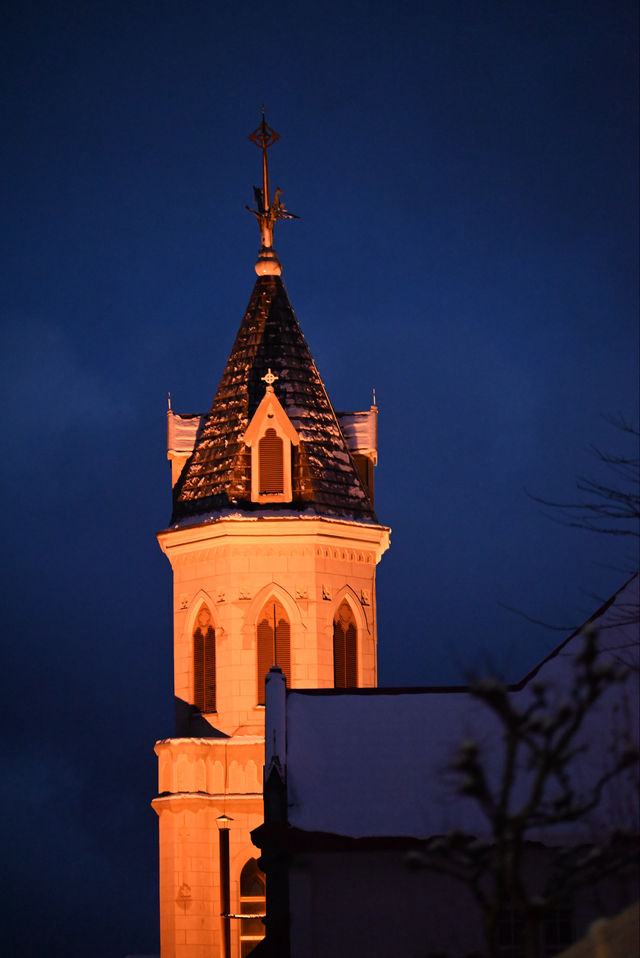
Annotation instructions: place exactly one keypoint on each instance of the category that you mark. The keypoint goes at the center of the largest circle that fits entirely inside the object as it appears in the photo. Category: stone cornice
(209, 743)
(254, 530)
(193, 801)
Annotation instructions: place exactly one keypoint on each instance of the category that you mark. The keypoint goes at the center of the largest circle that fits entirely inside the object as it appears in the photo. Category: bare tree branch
(612, 509)
(535, 789)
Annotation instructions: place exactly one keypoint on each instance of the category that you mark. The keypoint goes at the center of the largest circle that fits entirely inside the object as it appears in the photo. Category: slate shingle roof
(217, 477)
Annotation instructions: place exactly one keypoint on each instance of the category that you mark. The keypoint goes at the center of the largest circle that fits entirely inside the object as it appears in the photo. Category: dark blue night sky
(466, 178)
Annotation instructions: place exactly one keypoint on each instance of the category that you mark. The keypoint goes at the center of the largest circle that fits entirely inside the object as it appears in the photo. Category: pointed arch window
(252, 903)
(345, 648)
(204, 661)
(274, 643)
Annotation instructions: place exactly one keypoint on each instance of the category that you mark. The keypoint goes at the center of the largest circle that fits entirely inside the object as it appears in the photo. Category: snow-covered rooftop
(376, 762)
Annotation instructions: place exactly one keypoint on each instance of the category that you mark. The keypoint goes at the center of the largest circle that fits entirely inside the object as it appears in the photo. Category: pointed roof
(216, 479)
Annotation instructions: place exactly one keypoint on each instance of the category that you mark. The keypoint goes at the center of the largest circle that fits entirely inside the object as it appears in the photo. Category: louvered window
(204, 662)
(274, 641)
(271, 459)
(345, 649)
(252, 902)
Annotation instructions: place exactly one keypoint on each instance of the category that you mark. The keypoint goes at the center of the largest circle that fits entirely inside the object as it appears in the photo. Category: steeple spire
(267, 212)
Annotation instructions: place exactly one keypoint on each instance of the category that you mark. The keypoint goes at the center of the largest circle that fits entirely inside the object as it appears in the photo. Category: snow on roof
(376, 762)
(265, 513)
(361, 430)
(182, 432)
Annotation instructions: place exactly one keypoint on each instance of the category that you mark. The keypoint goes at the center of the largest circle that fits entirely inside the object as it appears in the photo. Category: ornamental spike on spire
(267, 212)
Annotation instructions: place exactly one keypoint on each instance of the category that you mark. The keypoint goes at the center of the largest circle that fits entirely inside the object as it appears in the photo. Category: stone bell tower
(273, 543)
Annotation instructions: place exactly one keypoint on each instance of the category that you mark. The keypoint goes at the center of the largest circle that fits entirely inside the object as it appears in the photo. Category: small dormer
(360, 430)
(270, 435)
(182, 433)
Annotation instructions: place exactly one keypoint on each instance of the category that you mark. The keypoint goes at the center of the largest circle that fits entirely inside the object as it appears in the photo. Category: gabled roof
(216, 478)
(345, 746)
(270, 412)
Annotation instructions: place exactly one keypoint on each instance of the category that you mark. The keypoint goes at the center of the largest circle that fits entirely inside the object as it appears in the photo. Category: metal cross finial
(264, 137)
(267, 213)
(269, 378)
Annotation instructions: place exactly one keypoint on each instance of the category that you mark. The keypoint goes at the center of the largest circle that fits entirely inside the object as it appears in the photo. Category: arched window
(204, 662)
(345, 648)
(271, 459)
(274, 640)
(252, 902)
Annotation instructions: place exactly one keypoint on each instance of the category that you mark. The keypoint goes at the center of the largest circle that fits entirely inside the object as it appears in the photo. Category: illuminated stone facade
(250, 570)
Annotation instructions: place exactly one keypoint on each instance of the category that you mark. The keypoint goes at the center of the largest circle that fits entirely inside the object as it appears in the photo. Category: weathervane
(267, 212)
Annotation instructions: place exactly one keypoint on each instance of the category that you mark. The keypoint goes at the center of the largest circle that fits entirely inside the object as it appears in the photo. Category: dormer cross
(269, 378)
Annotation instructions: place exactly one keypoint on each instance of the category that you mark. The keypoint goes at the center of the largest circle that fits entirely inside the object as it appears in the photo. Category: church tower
(273, 543)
